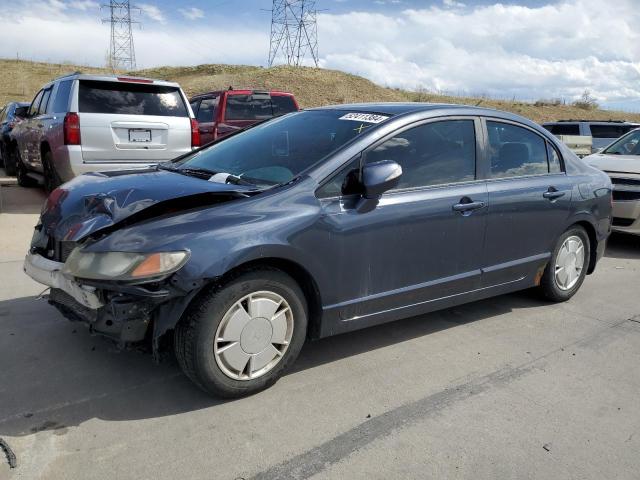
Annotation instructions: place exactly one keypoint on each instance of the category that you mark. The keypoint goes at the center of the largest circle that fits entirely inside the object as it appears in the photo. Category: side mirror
(377, 178)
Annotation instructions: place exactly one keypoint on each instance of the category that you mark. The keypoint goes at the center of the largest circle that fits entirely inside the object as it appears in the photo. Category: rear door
(529, 202)
(132, 121)
(28, 135)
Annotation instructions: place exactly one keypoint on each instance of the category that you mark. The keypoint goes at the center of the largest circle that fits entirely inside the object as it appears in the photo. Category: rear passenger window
(564, 129)
(194, 107)
(207, 110)
(61, 101)
(432, 154)
(516, 151)
(608, 131)
(554, 159)
(33, 109)
(42, 109)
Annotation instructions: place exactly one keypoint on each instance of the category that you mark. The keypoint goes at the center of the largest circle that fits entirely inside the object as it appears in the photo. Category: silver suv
(602, 132)
(82, 123)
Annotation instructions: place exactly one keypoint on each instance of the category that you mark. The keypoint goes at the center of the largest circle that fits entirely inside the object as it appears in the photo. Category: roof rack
(593, 121)
(77, 72)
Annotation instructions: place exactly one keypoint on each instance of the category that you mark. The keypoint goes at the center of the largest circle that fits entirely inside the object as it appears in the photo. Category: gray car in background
(621, 161)
(602, 133)
(83, 123)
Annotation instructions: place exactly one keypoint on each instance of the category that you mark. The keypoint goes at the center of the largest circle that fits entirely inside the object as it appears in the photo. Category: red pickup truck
(226, 111)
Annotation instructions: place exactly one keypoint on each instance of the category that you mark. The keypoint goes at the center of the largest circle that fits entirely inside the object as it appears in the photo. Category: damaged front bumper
(122, 313)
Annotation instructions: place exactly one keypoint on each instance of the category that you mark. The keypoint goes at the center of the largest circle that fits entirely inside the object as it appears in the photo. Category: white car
(83, 123)
(621, 161)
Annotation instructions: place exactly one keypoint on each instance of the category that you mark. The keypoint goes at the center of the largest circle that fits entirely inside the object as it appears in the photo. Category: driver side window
(435, 153)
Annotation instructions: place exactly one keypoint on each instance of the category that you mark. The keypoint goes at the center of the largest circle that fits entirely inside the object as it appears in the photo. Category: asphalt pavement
(510, 387)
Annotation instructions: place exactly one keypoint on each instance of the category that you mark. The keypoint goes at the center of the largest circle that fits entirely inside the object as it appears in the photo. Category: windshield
(277, 151)
(627, 145)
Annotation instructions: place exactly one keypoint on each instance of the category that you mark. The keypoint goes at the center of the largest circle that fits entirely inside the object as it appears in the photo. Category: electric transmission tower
(122, 54)
(294, 31)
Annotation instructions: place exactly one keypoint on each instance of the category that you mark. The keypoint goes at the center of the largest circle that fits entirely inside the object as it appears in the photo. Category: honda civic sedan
(317, 223)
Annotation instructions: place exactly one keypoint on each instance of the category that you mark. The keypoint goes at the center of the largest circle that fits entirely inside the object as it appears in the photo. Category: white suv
(83, 123)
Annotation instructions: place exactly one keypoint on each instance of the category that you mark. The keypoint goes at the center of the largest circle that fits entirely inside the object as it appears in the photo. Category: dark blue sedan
(318, 223)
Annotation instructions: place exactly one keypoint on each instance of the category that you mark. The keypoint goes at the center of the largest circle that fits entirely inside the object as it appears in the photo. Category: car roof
(400, 108)
(116, 78)
(243, 91)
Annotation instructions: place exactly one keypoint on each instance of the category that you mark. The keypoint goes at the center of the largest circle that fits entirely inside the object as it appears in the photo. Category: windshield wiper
(206, 174)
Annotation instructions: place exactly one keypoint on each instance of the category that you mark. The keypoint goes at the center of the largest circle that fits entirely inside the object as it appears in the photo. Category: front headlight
(123, 265)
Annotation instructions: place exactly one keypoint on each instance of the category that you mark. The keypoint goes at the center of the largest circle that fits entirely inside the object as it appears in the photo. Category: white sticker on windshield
(364, 117)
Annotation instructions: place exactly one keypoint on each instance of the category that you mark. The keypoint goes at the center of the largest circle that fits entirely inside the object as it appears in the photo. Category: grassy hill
(19, 80)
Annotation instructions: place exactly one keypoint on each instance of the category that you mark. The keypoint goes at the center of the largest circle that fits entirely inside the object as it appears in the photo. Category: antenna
(294, 32)
(122, 54)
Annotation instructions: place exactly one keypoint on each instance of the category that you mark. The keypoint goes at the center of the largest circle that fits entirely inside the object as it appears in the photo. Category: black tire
(51, 178)
(195, 333)
(549, 286)
(9, 160)
(21, 171)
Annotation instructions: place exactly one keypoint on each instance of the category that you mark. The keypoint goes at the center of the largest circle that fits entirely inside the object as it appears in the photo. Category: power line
(294, 32)
(122, 54)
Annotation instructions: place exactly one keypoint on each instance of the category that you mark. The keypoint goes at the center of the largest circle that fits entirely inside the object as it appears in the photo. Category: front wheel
(568, 266)
(239, 338)
(24, 180)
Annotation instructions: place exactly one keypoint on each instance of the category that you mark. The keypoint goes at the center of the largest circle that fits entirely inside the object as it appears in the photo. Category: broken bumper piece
(120, 316)
(49, 273)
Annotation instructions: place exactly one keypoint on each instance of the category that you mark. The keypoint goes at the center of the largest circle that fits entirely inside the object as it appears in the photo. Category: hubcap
(253, 335)
(569, 263)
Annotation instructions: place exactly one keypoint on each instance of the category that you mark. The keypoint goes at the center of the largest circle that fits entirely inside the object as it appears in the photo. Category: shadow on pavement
(15, 199)
(55, 375)
(623, 246)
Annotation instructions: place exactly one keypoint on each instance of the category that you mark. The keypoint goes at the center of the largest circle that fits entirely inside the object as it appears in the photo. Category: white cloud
(152, 12)
(453, 4)
(555, 50)
(192, 13)
(503, 50)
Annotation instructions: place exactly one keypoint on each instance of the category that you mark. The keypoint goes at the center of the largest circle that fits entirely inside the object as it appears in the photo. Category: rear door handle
(553, 194)
(467, 207)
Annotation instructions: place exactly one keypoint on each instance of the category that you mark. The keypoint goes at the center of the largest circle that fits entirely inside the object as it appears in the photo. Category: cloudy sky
(528, 49)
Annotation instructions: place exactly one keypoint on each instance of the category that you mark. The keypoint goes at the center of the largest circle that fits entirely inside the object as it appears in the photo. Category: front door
(206, 116)
(424, 240)
(529, 203)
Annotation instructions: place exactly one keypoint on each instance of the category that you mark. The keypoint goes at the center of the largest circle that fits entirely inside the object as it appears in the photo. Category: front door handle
(553, 194)
(467, 206)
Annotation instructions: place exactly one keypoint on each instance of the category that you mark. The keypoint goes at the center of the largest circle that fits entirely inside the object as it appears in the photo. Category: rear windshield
(257, 107)
(609, 131)
(130, 99)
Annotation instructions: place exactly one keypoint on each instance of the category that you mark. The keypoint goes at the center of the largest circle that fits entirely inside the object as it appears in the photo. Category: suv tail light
(195, 133)
(71, 128)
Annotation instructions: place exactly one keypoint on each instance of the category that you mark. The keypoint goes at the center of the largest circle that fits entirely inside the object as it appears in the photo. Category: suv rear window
(257, 107)
(609, 131)
(563, 129)
(130, 99)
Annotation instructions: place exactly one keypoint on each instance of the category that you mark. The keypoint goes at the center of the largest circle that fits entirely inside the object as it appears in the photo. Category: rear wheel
(239, 338)
(51, 178)
(568, 265)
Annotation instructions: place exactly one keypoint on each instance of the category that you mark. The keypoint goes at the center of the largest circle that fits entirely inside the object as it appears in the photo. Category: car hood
(96, 201)
(614, 163)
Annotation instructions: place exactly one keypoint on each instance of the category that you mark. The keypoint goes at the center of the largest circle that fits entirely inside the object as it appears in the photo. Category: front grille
(625, 195)
(625, 181)
(622, 222)
(64, 249)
